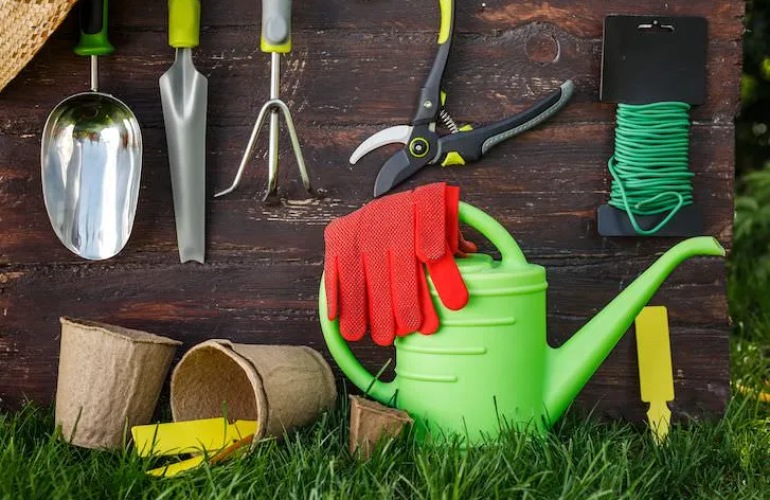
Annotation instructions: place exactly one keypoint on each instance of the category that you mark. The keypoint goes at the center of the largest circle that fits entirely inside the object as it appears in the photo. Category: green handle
(511, 253)
(276, 26)
(184, 22)
(385, 391)
(93, 29)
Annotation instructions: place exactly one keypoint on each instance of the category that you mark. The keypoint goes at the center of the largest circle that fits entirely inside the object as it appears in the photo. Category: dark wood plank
(614, 389)
(357, 66)
(487, 80)
(583, 19)
(264, 302)
(544, 187)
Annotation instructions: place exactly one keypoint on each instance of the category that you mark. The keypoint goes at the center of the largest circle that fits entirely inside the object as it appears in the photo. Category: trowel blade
(183, 92)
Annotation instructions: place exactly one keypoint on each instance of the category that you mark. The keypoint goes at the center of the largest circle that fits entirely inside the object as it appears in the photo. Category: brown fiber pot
(371, 422)
(281, 387)
(109, 380)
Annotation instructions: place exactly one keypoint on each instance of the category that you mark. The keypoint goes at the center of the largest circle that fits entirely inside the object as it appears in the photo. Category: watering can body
(489, 366)
(485, 368)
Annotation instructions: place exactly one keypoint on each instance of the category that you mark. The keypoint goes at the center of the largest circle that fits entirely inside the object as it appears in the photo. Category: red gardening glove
(442, 267)
(459, 246)
(391, 267)
(373, 272)
(436, 251)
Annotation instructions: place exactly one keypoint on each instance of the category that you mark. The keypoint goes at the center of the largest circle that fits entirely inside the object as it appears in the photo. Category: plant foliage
(749, 288)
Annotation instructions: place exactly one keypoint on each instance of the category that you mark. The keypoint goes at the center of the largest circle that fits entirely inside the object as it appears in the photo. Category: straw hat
(25, 25)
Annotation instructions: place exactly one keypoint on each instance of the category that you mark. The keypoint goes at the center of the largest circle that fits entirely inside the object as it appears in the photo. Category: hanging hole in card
(656, 27)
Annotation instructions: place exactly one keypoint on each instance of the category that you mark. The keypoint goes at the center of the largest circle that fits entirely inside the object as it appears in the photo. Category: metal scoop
(91, 157)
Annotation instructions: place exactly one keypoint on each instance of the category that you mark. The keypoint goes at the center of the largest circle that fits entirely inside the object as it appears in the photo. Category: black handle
(429, 106)
(474, 144)
(91, 16)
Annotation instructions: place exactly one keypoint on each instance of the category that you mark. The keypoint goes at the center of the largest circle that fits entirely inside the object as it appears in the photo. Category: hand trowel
(183, 93)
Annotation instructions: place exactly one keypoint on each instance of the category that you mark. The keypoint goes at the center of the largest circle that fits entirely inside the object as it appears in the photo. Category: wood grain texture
(356, 67)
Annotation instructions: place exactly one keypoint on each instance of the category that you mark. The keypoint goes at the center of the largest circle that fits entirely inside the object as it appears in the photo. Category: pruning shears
(423, 146)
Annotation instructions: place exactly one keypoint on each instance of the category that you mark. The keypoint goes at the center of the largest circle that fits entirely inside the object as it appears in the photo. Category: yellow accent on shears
(413, 145)
(194, 436)
(655, 371)
(466, 128)
(446, 21)
(453, 158)
(266, 46)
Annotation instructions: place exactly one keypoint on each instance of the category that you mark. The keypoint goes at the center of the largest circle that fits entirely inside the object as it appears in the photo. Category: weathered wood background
(357, 66)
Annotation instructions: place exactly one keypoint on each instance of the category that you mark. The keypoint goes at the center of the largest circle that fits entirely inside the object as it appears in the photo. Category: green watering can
(489, 366)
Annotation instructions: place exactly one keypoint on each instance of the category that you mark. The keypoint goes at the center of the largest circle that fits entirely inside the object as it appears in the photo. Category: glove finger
(430, 322)
(352, 307)
(448, 282)
(430, 221)
(465, 247)
(404, 269)
(381, 321)
(453, 235)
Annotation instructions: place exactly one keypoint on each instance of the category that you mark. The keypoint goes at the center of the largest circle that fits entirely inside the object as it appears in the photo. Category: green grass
(581, 458)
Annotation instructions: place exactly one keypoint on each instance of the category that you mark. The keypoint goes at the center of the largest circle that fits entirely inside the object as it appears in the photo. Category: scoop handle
(276, 26)
(93, 29)
(184, 21)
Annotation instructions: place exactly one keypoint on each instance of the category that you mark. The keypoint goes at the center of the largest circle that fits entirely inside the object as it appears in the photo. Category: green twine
(650, 167)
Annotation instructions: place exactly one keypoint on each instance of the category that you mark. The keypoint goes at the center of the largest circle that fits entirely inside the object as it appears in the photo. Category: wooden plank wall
(357, 67)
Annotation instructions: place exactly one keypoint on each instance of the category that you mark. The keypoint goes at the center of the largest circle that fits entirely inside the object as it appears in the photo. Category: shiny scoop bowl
(91, 157)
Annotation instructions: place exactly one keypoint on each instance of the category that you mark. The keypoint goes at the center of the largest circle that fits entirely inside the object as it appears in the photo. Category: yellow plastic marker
(191, 463)
(194, 436)
(655, 371)
(176, 468)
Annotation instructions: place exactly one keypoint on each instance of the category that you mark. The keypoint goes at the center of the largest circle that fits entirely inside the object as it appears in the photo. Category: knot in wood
(543, 48)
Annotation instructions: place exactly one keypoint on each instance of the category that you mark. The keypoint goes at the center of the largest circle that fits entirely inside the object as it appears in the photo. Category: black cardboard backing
(648, 59)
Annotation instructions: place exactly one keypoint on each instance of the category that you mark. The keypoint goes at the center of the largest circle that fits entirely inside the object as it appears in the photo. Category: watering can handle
(499, 236)
(384, 392)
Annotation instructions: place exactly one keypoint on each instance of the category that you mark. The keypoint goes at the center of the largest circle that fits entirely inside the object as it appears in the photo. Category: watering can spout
(571, 365)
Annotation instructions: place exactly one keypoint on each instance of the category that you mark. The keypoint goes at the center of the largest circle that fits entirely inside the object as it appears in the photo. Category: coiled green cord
(650, 167)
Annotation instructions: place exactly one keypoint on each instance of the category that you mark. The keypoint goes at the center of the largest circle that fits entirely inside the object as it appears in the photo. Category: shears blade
(392, 135)
(396, 170)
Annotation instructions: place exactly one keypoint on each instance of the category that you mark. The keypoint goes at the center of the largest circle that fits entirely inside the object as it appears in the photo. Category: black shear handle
(430, 103)
(474, 144)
